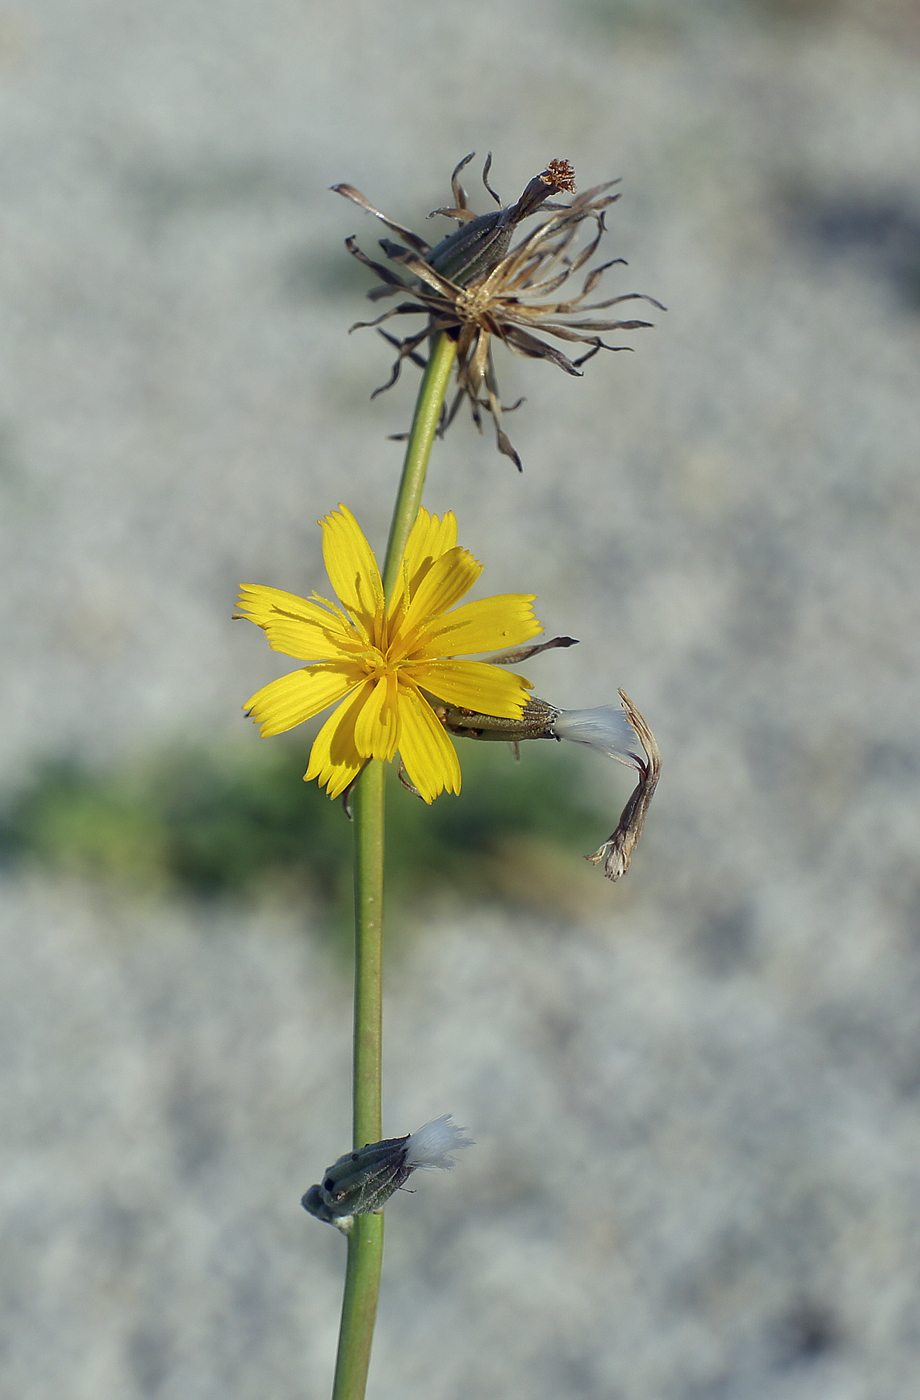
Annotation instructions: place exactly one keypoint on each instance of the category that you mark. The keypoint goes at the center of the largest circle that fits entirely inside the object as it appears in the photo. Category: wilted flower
(610, 730)
(616, 852)
(383, 659)
(474, 285)
(363, 1181)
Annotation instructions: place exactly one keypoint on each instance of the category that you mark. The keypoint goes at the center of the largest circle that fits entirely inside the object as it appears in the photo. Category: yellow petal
(296, 626)
(429, 538)
(443, 585)
(259, 603)
(474, 685)
(353, 570)
(429, 757)
(490, 624)
(377, 724)
(291, 699)
(334, 760)
(310, 643)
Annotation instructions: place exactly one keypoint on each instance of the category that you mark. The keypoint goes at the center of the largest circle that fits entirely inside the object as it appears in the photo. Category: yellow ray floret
(381, 661)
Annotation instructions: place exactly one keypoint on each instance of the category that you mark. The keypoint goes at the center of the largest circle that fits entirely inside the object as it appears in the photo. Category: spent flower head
(363, 1181)
(476, 285)
(611, 730)
(383, 659)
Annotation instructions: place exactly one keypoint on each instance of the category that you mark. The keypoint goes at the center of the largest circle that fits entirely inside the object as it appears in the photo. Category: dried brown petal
(617, 850)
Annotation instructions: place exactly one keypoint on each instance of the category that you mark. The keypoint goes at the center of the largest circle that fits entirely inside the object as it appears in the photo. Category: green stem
(359, 1307)
(418, 449)
(365, 1242)
(369, 807)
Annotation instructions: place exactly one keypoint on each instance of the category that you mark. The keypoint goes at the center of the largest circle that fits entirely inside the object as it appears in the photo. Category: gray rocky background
(696, 1094)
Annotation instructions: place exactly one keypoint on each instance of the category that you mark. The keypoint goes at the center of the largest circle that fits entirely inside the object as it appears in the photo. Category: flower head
(382, 659)
(475, 285)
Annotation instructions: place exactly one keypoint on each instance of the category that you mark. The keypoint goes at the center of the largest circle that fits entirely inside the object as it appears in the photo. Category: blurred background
(695, 1094)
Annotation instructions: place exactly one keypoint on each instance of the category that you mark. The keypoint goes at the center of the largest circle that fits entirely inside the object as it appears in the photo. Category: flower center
(378, 664)
(472, 303)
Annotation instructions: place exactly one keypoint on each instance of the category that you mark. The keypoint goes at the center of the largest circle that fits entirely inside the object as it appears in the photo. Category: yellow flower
(382, 660)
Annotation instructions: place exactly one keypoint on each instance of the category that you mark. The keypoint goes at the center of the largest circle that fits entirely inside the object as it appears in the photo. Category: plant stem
(418, 449)
(369, 808)
(359, 1307)
(365, 1242)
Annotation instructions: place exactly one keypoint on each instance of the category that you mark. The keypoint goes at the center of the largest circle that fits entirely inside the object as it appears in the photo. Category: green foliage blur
(239, 823)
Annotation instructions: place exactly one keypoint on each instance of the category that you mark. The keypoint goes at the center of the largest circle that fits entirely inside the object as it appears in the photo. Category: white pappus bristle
(605, 728)
(433, 1144)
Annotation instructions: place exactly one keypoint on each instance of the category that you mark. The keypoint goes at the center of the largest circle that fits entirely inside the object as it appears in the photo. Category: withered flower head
(363, 1181)
(609, 729)
(476, 284)
(598, 728)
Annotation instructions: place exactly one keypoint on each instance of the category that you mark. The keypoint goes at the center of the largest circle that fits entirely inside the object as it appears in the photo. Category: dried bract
(475, 285)
(617, 850)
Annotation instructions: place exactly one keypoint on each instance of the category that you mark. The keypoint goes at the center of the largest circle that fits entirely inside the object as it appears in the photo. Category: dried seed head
(476, 284)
